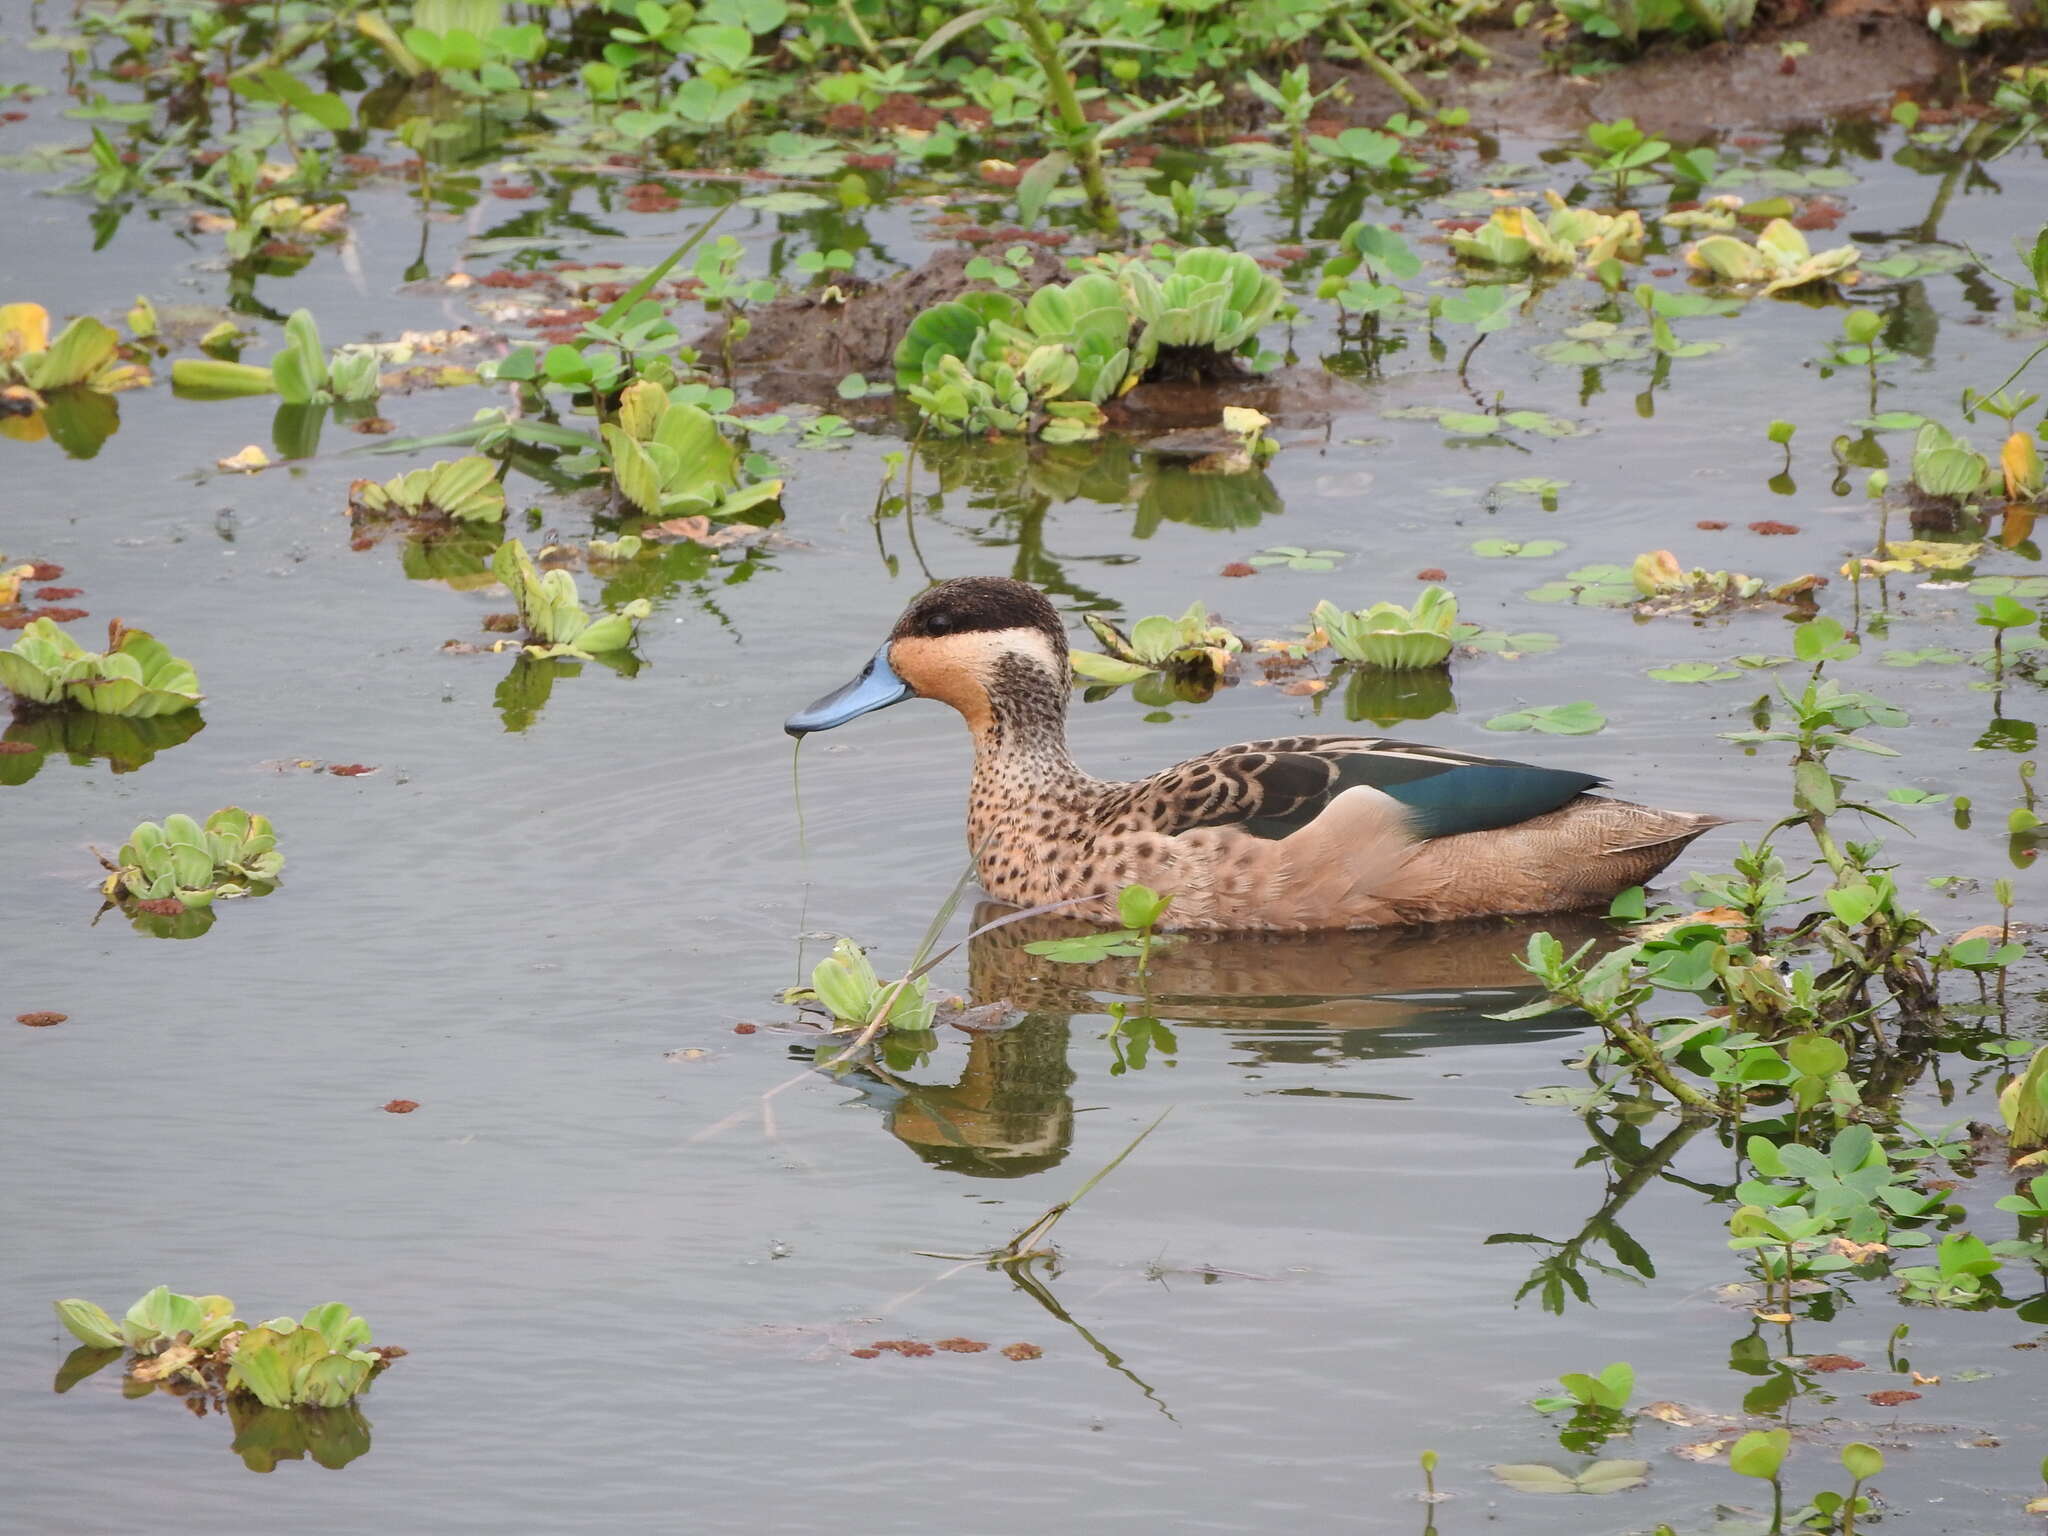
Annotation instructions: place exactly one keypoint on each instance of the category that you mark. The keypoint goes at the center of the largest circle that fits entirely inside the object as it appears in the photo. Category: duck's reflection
(1297, 999)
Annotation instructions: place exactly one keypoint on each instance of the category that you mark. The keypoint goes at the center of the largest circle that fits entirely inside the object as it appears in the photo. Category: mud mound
(799, 348)
(1862, 55)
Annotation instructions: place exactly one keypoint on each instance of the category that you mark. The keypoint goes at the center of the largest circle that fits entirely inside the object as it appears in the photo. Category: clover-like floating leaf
(1694, 672)
(1580, 718)
(1511, 549)
(1600, 1477)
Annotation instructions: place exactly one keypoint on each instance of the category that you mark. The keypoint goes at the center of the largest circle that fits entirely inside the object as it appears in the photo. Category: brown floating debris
(865, 1354)
(40, 1020)
(1710, 524)
(1239, 568)
(158, 906)
(1768, 527)
(1892, 1397)
(1022, 1352)
(401, 1106)
(1431, 573)
(961, 1346)
(1833, 1363)
(350, 770)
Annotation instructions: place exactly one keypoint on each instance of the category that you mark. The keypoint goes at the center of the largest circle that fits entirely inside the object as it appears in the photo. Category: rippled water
(629, 1281)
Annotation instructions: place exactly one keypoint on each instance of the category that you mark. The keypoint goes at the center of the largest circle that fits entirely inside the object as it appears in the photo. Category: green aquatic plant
(1392, 637)
(1568, 237)
(159, 1319)
(988, 362)
(322, 1360)
(136, 676)
(668, 459)
(549, 609)
(85, 354)
(1189, 646)
(1944, 464)
(846, 985)
(464, 490)
(2023, 1105)
(1205, 306)
(302, 373)
(1780, 260)
(183, 861)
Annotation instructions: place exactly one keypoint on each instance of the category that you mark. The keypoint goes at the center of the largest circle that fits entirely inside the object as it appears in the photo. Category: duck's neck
(1021, 765)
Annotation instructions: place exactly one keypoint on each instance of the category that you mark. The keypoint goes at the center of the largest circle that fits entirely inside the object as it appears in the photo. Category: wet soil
(800, 347)
(1858, 58)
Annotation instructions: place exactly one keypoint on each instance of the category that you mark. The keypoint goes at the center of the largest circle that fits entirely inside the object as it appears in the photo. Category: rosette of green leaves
(139, 677)
(670, 460)
(548, 608)
(465, 489)
(846, 984)
(2023, 1103)
(159, 1318)
(1391, 637)
(1088, 318)
(1209, 298)
(1945, 464)
(234, 850)
(318, 1361)
(951, 329)
(1189, 644)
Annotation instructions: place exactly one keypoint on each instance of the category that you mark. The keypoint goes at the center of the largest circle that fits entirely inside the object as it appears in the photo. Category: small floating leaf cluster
(464, 490)
(233, 853)
(321, 1360)
(668, 459)
(136, 676)
(549, 608)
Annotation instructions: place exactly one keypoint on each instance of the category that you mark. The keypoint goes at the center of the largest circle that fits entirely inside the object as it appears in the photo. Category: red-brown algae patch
(401, 1106)
(42, 1019)
(961, 1346)
(1431, 573)
(1892, 1397)
(158, 906)
(865, 1354)
(1022, 1352)
(1768, 528)
(1833, 1363)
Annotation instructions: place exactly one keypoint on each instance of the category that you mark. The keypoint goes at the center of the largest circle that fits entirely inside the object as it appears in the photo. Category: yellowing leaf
(247, 461)
(2021, 462)
(24, 328)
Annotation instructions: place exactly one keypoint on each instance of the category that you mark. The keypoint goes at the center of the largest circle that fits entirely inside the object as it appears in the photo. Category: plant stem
(1394, 79)
(1653, 1065)
(1074, 124)
(860, 31)
(1442, 29)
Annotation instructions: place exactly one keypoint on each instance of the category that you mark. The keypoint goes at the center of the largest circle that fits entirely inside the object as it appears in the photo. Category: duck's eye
(939, 623)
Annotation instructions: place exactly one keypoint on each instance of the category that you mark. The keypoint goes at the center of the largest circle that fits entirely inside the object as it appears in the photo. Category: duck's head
(977, 643)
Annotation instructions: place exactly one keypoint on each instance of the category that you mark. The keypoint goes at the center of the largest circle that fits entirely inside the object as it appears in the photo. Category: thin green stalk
(1074, 124)
(860, 31)
(1651, 1061)
(1439, 28)
(1395, 80)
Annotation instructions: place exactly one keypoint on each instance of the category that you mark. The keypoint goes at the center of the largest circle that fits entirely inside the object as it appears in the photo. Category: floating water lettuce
(846, 985)
(1517, 237)
(135, 676)
(1392, 637)
(670, 459)
(321, 1360)
(1188, 646)
(86, 354)
(1945, 464)
(1208, 300)
(183, 861)
(300, 374)
(548, 608)
(1779, 260)
(465, 489)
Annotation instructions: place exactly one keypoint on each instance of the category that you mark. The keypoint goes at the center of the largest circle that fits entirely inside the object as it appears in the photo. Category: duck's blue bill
(877, 687)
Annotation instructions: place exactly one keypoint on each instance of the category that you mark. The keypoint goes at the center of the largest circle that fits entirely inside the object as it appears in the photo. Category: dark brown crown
(972, 604)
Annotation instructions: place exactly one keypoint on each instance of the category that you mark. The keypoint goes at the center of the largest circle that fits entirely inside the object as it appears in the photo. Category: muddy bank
(800, 347)
(1853, 62)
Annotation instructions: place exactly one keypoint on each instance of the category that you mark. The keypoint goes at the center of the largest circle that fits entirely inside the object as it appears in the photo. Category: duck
(1292, 833)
